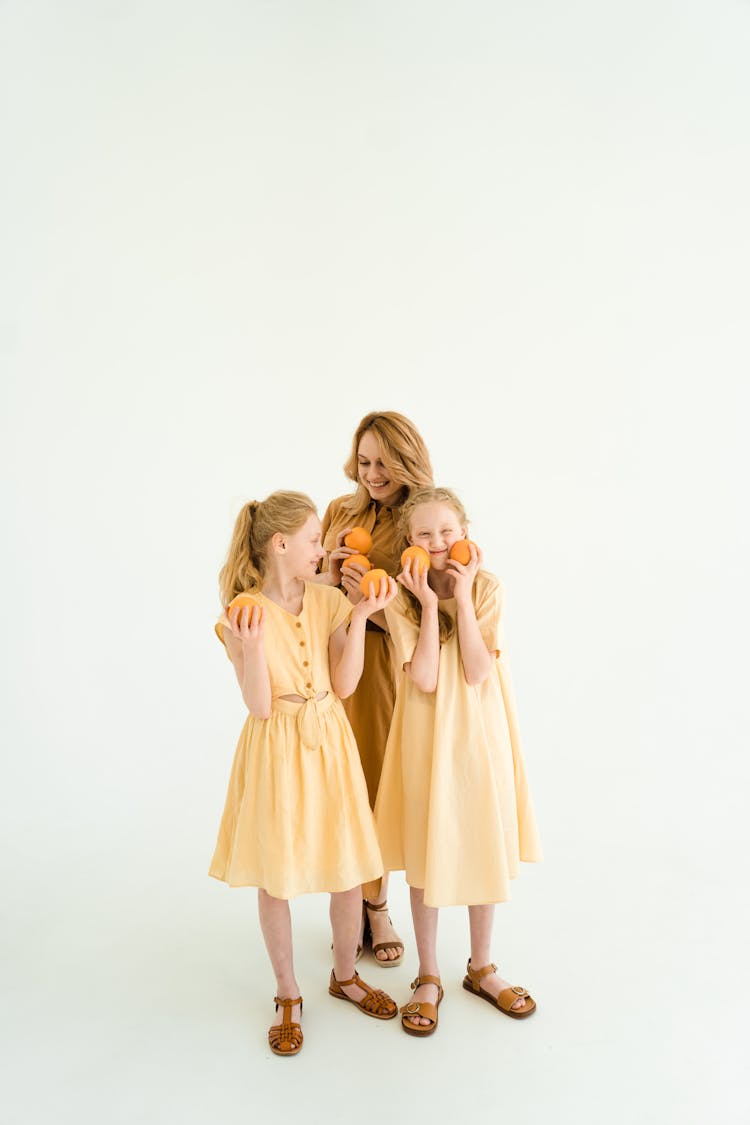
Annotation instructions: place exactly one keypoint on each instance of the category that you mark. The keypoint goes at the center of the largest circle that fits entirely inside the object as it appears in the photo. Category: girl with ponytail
(297, 818)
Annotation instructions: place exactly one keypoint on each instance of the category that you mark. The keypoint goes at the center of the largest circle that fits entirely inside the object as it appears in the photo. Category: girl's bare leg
(276, 924)
(480, 927)
(346, 918)
(425, 931)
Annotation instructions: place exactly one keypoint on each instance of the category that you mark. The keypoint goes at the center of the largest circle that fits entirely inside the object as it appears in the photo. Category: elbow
(427, 684)
(475, 679)
(260, 712)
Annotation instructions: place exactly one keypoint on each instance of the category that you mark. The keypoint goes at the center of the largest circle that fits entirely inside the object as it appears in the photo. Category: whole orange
(359, 539)
(460, 551)
(242, 600)
(357, 560)
(420, 556)
(372, 579)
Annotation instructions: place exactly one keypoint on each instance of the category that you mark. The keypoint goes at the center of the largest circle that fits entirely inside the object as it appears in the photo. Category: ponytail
(258, 521)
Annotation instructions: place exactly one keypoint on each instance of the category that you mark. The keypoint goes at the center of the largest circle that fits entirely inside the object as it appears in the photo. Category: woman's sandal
(286, 1038)
(421, 1008)
(386, 962)
(505, 999)
(375, 1003)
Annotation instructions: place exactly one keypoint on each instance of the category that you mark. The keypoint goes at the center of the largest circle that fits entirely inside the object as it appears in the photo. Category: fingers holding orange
(359, 539)
(420, 560)
(460, 552)
(370, 584)
(244, 610)
(357, 561)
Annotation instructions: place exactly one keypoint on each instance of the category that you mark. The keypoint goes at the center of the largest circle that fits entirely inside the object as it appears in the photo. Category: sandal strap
(476, 975)
(421, 1008)
(342, 983)
(508, 996)
(286, 1002)
(425, 980)
(372, 906)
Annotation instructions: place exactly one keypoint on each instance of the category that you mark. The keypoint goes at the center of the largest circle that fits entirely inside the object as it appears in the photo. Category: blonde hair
(403, 452)
(416, 500)
(255, 526)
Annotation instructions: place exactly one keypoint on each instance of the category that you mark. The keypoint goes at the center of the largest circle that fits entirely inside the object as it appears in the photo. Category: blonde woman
(388, 461)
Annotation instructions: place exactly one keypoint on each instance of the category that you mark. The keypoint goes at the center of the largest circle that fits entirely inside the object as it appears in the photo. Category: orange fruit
(242, 600)
(359, 540)
(372, 578)
(460, 551)
(357, 560)
(420, 556)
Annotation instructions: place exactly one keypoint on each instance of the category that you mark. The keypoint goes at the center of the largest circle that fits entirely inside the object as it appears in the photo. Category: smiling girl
(388, 461)
(453, 809)
(297, 818)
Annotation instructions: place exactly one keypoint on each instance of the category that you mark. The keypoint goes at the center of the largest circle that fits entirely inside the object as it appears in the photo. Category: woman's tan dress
(370, 708)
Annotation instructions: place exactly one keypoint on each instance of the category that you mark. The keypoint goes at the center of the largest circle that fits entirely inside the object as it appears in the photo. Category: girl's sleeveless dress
(453, 807)
(297, 818)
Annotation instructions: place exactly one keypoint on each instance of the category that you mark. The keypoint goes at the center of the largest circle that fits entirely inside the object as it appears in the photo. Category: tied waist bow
(308, 712)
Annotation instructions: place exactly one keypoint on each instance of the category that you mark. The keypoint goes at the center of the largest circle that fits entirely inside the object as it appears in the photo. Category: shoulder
(323, 597)
(487, 586)
(337, 507)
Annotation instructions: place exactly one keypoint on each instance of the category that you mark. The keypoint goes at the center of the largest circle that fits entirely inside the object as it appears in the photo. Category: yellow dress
(453, 808)
(370, 707)
(297, 819)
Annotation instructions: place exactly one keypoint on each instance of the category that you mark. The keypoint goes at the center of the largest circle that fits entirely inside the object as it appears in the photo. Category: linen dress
(297, 819)
(453, 808)
(370, 707)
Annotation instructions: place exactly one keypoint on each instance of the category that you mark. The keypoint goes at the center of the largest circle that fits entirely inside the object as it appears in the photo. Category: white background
(230, 230)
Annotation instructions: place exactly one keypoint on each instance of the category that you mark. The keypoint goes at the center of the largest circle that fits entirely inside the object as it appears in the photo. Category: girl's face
(303, 549)
(379, 482)
(435, 527)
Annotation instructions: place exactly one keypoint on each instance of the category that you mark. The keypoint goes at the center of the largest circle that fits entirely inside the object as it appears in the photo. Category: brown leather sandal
(286, 1038)
(421, 1008)
(387, 963)
(505, 999)
(375, 1003)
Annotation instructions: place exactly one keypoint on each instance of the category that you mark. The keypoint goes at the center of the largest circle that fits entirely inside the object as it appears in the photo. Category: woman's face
(381, 485)
(435, 527)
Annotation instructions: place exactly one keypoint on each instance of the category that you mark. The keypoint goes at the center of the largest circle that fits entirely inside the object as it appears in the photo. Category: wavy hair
(402, 450)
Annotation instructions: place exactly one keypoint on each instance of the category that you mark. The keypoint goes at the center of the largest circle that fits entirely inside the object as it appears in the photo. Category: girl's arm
(346, 648)
(245, 646)
(475, 657)
(423, 667)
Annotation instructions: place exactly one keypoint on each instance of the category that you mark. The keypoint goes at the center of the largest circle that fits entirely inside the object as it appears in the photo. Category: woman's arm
(245, 647)
(346, 648)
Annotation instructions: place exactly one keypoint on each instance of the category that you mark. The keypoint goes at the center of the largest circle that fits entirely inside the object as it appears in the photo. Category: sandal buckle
(519, 991)
(413, 1007)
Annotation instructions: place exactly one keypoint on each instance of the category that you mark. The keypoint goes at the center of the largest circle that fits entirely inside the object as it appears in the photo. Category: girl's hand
(413, 579)
(351, 577)
(376, 601)
(249, 632)
(337, 556)
(463, 576)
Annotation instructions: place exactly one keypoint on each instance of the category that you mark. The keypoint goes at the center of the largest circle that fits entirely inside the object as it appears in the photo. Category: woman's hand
(385, 594)
(414, 579)
(337, 555)
(351, 576)
(463, 576)
(249, 632)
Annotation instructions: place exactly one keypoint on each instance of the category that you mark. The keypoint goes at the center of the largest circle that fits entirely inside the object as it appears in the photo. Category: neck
(283, 588)
(441, 582)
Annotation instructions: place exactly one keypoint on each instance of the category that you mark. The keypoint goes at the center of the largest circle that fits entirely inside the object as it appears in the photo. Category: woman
(388, 461)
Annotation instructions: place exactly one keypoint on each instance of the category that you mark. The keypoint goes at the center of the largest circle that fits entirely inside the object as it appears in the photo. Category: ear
(278, 543)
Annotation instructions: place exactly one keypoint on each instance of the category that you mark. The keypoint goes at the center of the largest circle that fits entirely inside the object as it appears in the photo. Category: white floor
(151, 1004)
